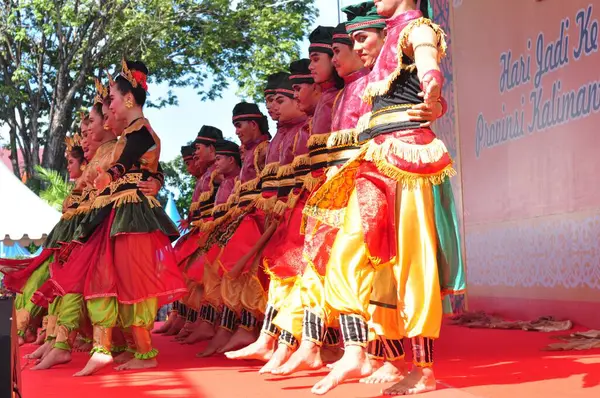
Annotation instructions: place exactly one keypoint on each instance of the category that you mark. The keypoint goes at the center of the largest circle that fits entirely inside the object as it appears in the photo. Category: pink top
(248, 171)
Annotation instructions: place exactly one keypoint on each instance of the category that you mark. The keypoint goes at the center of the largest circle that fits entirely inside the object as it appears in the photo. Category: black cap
(273, 82)
(187, 151)
(321, 39)
(340, 35)
(228, 148)
(208, 135)
(284, 86)
(299, 72)
(246, 111)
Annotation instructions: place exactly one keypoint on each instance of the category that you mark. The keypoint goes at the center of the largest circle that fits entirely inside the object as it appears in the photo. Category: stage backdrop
(527, 83)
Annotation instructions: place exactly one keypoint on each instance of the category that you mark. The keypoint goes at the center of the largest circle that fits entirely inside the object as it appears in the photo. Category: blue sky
(176, 125)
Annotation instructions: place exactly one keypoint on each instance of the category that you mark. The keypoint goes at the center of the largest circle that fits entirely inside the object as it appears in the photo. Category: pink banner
(528, 96)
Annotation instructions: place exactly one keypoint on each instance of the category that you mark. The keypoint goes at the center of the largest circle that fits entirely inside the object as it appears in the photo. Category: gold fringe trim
(224, 207)
(260, 153)
(153, 202)
(274, 276)
(69, 214)
(381, 87)
(270, 169)
(342, 138)
(194, 206)
(204, 196)
(412, 180)
(362, 124)
(280, 207)
(251, 185)
(293, 199)
(317, 140)
(101, 201)
(413, 153)
(125, 198)
(266, 204)
(285, 171)
(300, 161)
(311, 183)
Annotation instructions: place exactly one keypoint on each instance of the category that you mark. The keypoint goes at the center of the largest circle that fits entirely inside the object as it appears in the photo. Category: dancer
(252, 129)
(292, 175)
(403, 168)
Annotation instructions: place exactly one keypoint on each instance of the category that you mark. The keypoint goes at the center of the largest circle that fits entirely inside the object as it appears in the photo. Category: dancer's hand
(426, 113)
(150, 187)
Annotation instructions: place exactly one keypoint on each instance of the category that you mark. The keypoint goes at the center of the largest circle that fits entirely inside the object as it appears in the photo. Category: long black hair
(425, 9)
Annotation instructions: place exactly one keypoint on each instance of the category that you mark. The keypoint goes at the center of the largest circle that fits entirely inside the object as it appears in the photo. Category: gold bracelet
(424, 45)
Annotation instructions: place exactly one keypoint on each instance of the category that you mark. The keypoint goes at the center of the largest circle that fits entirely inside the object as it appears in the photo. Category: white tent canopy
(24, 216)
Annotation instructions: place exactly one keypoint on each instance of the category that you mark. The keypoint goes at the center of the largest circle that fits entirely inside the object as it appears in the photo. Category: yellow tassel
(153, 202)
(129, 196)
(311, 183)
(260, 153)
(342, 138)
(224, 207)
(266, 204)
(280, 207)
(300, 161)
(413, 153)
(412, 180)
(381, 87)
(362, 124)
(270, 169)
(285, 171)
(101, 201)
(317, 140)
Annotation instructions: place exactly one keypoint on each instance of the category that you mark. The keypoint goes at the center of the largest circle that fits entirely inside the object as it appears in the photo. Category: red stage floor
(470, 363)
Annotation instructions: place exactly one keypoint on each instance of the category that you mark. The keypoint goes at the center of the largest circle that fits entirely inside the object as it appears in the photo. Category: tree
(56, 187)
(51, 49)
(177, 177)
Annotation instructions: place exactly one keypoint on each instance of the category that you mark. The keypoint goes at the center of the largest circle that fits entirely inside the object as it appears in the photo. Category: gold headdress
(102, 92)
(126, 73)
(72, 142)
(111, 81)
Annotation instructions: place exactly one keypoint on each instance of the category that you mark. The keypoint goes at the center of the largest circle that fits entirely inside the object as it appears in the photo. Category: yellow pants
(291, 311)
(212, 284)
(350, 275)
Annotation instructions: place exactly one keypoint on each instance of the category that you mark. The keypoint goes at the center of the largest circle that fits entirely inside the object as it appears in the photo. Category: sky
(177, 125)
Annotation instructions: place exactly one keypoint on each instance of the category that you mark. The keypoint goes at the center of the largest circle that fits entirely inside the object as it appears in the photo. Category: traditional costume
(292, 262)
(392, 205)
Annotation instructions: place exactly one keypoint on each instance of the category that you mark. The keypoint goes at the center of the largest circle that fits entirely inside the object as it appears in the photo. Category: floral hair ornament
(72, 142)
(135, 77)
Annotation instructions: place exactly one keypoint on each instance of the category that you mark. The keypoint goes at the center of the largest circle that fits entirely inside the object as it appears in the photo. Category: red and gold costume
(393, 205)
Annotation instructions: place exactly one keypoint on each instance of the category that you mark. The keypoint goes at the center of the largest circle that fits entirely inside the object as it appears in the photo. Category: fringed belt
(387, 120)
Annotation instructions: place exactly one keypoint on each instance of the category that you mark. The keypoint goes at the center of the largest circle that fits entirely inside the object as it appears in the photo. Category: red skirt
(131, 267)
(241, 242)
(283, 255)
(17, 272)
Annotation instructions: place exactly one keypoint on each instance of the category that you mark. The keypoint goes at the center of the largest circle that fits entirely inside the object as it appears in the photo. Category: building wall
(528, 101)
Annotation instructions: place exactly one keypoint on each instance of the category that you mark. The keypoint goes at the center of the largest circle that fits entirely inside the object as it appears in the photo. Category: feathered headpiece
(134, 77)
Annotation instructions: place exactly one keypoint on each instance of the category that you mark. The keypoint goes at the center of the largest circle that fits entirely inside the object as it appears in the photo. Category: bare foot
(176, 326)
(95, 363)
(123, 357)
(307, 357)
(85, 347)
(241, 338)
(221, 338)
(418, 381)
(354, 364)
(138, 364)
(39, 352)
(261, 349)
(41, 337)
(55, 357)
(201, 332)
(281, 355)
(387, 372)
(184, 333)
(167, 325)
